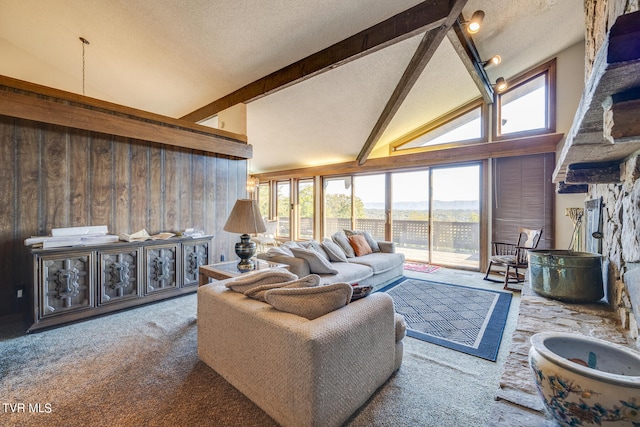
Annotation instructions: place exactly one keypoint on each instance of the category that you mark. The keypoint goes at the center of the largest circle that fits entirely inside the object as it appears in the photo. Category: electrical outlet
(221, 258)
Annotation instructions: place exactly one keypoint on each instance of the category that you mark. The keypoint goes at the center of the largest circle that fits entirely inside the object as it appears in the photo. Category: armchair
(513, 256)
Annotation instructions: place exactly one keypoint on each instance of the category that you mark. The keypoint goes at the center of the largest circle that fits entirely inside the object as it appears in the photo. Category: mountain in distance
(423, 206)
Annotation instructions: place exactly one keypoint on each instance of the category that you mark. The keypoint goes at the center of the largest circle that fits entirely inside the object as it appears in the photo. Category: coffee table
(229, 269)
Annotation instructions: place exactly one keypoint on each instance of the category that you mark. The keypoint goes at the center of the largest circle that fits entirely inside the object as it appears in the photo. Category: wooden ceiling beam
(422, 17)
(419, 61)
(466, 49)
(464, 153)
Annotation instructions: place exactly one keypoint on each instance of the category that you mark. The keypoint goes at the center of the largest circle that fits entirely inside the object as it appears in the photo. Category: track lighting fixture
(473, 24)
(501, 84)
(494, 60)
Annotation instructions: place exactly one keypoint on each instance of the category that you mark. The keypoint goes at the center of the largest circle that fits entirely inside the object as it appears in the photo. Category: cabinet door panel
(65, 283)
(194, 254)
(161, 264)
(119, 277)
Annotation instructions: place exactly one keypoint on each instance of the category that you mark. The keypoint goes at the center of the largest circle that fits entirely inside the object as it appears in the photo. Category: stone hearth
(517, 401)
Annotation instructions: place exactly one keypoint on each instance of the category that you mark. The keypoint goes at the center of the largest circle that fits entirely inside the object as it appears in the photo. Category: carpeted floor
(140, 367)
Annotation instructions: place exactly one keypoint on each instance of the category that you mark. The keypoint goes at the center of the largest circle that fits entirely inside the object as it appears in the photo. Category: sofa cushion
(341, 239)
(251, 280)
(347, 272)
(318, 264)
(379, 262)
(304, 282)
(334, 251)
(310, 303)
(359, 244)
(373, 244)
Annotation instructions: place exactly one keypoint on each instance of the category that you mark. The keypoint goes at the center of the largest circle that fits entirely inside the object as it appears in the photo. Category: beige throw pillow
(310, 303)
(251, 280)
(318, 264)
(305, 282)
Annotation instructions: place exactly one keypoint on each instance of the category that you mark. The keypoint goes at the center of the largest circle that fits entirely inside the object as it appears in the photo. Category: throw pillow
(335, 252)
(305, 282)
(279, 251)
(316, 246)
(341, 239)
(310, 303)
(373, 243)
(317, 263)
(359, 244)
(251, 280)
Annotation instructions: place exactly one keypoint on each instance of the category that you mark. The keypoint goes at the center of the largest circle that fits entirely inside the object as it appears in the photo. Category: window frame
(395, 147)
(548, 70)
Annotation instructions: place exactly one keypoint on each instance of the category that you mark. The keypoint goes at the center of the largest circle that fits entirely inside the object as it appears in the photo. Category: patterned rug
(465, 319)
(420, 267)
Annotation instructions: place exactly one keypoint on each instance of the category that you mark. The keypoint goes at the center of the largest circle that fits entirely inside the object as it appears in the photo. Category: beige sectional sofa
(376, 269)
(301, 372)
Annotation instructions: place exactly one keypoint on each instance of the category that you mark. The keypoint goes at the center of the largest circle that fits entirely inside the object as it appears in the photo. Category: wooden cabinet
(76, 283)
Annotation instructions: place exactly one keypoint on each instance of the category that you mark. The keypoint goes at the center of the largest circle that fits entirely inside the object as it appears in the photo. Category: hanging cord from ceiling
(84, 43)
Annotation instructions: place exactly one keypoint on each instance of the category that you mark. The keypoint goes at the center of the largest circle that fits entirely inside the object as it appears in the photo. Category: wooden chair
(268, 237)
(513, 256)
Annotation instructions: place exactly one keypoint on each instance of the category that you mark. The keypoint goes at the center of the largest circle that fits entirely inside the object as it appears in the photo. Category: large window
(337, 204)
(263, 199)
(283, 208)
(306, 209)
(527, 107)
(369, 204)
(464, 125)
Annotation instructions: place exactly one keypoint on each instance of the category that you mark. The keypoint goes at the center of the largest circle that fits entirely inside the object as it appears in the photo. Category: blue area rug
(465, 319)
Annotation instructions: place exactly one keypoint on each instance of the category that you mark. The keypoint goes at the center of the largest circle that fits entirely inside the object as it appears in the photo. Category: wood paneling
(55, 176)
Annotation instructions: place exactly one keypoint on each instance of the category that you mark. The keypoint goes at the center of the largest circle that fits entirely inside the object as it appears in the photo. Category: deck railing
(447, 236)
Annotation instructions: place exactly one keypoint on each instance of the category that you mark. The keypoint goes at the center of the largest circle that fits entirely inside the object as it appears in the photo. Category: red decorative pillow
(360, 245)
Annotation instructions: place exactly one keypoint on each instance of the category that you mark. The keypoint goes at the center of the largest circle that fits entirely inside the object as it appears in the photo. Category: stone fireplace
(602, 150)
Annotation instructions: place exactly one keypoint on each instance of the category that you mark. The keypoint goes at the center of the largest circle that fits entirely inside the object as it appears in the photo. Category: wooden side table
(229, 269)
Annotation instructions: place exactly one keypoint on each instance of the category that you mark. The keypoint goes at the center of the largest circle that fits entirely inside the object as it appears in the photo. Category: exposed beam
(122, 121)
(466, 49)
(423, 17)
(419, 61)
(465, 153)
(74, 98)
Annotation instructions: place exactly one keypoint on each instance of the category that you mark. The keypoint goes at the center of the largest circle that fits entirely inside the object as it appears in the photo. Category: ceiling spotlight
(473, 25)
(501, 84)
(494, 60)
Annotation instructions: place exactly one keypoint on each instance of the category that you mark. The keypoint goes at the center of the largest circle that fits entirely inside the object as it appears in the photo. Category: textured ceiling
(173, 56)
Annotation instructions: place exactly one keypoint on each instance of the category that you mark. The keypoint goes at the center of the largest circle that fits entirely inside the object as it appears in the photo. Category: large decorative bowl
(586, 381)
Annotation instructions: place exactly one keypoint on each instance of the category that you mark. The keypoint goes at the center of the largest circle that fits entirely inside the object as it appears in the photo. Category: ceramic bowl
(586, 381)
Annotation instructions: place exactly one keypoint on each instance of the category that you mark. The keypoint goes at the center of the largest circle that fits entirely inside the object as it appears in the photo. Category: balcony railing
(457, 237)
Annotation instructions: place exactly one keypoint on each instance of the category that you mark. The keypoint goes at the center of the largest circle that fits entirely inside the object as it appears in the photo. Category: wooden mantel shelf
(605, 127)
(30, 101)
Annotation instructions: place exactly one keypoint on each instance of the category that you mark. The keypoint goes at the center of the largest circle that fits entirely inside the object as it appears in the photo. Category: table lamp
(245, 218)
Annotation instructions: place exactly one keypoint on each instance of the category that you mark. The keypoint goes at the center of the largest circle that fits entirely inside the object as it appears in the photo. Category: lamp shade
(245, 218)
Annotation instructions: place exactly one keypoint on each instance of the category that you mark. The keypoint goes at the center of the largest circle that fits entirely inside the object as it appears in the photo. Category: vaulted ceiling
(172, 57)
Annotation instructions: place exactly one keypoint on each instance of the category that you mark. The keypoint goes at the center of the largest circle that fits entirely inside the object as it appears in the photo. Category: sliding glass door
(455, 216)
(432, 215)
(435, 215)
(410, 214)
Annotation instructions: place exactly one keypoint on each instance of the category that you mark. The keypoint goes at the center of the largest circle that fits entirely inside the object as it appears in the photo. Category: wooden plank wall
(53, 176)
